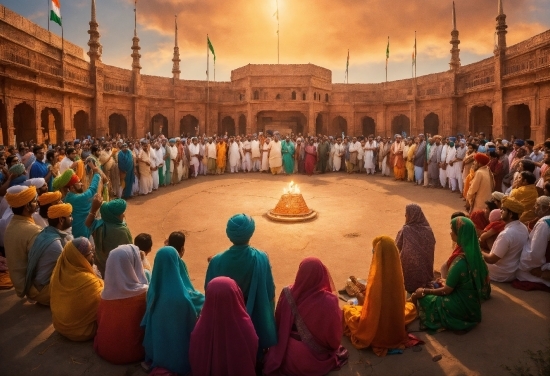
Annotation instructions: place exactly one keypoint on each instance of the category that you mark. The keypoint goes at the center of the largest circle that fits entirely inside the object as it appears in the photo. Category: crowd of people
(67, 246)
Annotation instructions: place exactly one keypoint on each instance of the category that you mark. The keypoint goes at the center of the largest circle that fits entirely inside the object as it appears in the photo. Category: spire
(501, 29)
(95, 47)
(455, 51)
(135, 45)
(176, 59)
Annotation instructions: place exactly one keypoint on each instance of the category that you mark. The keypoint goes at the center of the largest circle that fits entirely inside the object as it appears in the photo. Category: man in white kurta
(443, 164)
(247, 155)
(159, 154)
(275, 155)
(144, 169)
(370, 148)
(172, 150)
(211, 155)
(194, 153)
(451, 172)
(154, 167)
(234, 155)
(256, 153)
(337, 156)
(203, 160)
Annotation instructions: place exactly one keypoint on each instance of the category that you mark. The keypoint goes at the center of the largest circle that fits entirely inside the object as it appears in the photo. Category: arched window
(278, 96)
(256, 95)
(326, 97)
(293, 95)
(314, 96)
(303, 96)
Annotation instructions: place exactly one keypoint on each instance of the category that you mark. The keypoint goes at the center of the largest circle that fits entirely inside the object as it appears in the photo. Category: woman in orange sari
(380, 322)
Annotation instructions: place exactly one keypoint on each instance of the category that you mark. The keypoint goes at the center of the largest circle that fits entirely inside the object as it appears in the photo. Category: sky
(311, 31)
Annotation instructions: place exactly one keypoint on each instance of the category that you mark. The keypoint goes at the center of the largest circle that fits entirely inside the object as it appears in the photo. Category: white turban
(36, 182)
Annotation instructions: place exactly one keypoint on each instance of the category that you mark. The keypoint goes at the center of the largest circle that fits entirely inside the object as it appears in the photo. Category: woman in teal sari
(456, 305)
(126, 166)
(170, 316)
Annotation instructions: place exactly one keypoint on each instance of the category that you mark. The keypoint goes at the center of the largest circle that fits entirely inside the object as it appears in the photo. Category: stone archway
(368, 126)
(189, 125)
(339, 126)
(81, 124)
(481, 120)
(319, 124)
(228, 126)
(52, 127)
(159, 124)
(431, 124)
(24, 123)
(242, 125)
(4, 124)
(118, 125)
(519, 121)
(401, 124)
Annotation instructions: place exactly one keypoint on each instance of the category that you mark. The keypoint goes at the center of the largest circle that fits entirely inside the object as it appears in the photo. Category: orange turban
(20, 195)
(60, 210)
(49, 198)
(482, 159)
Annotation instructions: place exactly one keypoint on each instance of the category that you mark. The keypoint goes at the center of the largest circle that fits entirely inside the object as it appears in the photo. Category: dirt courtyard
(353, 209)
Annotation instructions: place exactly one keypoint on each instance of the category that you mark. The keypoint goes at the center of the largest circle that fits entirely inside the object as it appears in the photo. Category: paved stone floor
(353, 209)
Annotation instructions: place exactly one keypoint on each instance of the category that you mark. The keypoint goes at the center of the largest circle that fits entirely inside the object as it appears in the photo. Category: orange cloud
(321, 31)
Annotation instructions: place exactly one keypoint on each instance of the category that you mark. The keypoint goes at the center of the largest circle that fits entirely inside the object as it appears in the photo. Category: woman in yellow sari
(75, 292)
(380, 322)
(410, 159)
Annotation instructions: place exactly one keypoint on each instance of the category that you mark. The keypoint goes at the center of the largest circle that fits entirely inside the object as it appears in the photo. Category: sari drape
(126, 165)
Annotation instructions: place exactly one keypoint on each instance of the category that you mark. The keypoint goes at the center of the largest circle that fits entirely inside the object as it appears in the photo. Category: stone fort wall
(50, 92)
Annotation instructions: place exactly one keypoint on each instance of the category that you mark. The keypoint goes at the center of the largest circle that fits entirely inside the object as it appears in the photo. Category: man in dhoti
(287, 150)
(211, 155)
(265, 155)
(330, 154)
(275, 155)
(144, 168)
(256, 153)
(384, 156)
(397, 156)
(172, 151)
(157, 162)
(443, 163)
(353, 154)
(420, 160)
(194, 153)
(337, 156)
(434, 159)
(234, 155)
(370, 148)
(246, 148)
(449, 161)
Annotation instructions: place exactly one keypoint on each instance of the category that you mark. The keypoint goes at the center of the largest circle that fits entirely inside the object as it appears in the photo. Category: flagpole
(415, 55)
(387, 57)
(207, 82)
(48, 14)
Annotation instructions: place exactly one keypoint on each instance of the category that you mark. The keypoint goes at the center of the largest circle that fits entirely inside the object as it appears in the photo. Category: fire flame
(292, 189)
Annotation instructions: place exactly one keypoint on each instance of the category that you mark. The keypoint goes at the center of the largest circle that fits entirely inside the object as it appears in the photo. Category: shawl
(73, 278)
(313, 293)
(170, 315)
(126, 165)
(416, 244)
(251, 270)
(224, 341)
(124, 276)
(468, 241)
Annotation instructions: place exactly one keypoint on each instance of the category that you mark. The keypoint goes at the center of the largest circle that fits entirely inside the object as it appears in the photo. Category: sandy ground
(353, 209)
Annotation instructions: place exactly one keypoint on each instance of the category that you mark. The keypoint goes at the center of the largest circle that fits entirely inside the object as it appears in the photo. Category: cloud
(321, 31)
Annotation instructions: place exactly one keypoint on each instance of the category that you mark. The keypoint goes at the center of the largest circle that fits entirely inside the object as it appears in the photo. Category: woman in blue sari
(126, 166)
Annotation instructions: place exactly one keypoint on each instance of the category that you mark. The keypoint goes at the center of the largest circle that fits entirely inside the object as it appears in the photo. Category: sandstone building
(48, 91)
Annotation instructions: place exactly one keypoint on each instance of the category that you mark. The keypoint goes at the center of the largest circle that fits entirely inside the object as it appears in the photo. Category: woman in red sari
(309, 324)
(311, 157)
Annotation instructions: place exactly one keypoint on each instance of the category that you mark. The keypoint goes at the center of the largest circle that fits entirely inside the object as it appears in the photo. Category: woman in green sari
(456, 305)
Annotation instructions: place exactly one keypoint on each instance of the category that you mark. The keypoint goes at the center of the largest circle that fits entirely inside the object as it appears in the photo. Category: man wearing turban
(41, 188)
(503, 260)
(251, 269)
(46, 250)
(110, 231)
(21, 233)
(526, 193)
(482, 184)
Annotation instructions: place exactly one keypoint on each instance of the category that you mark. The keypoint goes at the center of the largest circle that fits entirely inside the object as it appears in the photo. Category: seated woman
(491, 231)
(480, 218)
(380, 322)
(75, 292)
(416, 244)
(119, 335)
(457, 304)
(224, 341)
(309, 323)
(170, 315)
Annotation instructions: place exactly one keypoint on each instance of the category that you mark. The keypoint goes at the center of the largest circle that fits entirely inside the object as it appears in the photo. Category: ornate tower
(136, 67)
(455, 51)
(176, 59)
(501, 29)
(95, 47)
(138, 113)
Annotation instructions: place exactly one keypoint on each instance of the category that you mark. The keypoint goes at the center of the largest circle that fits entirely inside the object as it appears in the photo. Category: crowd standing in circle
(67, 245)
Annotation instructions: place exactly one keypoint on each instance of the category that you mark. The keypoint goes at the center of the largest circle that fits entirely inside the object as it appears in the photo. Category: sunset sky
(311, 31)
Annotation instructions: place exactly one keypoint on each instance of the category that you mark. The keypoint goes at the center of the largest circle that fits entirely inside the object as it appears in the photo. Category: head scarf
(49, 198)
(170, 315)
(20, 195)
(513, 205)
(240, 228)
(468, 245)
(37, 182)
(482, 159)
(124, 275)
(82, 244)
(73, 278)
(497, 196)
(494, 215)
(112, 210)
(416, 242)
(60, 210)
(17, 169)
(224, 341)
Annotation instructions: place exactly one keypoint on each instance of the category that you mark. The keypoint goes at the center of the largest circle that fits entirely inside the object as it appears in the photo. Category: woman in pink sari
(309, 324)
(311, 157)
(224, 341)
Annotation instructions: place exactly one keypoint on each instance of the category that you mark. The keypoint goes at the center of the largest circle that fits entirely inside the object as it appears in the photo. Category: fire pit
(291, 207)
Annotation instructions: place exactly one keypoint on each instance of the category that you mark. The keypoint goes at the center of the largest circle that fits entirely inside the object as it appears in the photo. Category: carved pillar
(38, 124)
(9, 120)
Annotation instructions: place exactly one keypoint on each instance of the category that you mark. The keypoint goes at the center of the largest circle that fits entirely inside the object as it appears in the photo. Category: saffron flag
(55, 12)
(210, 47)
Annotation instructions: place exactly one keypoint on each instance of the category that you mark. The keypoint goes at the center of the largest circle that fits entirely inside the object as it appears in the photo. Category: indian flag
(55, 13)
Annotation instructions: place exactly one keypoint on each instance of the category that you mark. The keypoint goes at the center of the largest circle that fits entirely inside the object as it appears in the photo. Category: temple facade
(49, 93)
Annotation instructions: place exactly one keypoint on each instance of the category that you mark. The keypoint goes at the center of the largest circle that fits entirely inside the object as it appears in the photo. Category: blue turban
(172, 141)
(240, 228)
(519, 142)
(452, 139)
(112, 210)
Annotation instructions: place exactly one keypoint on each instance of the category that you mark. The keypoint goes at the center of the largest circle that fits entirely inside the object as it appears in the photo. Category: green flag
(388, 49)
(210, 47)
